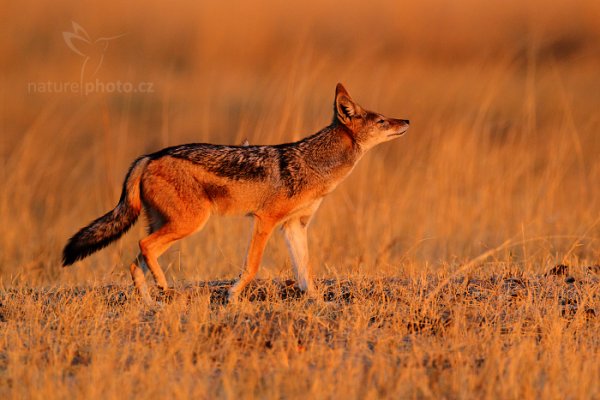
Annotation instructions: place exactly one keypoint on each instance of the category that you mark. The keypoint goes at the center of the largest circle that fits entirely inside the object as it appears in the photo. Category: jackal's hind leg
(158, 242)
(139, 267)
(261, 232)
(137, 273)
(295, 234)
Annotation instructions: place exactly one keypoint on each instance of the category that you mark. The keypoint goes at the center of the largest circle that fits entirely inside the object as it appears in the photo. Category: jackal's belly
(229, 197)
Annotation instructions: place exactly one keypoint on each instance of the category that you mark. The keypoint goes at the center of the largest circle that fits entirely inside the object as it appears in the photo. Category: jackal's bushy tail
(112, 225)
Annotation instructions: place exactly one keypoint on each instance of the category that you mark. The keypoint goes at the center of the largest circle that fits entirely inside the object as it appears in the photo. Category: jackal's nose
(406, 121)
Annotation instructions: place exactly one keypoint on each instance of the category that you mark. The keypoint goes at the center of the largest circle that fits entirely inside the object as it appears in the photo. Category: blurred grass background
(503, 98)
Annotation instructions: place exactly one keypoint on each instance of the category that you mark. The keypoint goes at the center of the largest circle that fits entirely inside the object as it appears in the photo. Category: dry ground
(485, 335)
(503, 98)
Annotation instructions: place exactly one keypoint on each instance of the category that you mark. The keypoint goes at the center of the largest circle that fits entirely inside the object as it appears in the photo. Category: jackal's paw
(235, 291)
(147, 300)
(233, 296)
(151, 304)
(307, 287)
(166, 295)
(311, 295)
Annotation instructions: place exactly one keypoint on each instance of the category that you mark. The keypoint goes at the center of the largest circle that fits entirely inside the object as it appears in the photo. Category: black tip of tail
(73, 251)
(69, 255)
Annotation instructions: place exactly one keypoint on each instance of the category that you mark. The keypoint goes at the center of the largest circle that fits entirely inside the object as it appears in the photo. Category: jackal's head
(367, 127)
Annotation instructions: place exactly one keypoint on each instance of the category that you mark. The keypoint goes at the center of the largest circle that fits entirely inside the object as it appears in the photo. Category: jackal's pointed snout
(401, 126)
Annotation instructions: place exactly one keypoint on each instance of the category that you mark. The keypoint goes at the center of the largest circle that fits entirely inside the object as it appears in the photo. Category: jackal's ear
(344, 107)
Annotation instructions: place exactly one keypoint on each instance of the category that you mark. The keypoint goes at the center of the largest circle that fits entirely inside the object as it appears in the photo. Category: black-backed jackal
(180, 187)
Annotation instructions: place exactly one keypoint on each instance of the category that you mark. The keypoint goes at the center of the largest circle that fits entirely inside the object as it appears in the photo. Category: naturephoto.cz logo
(92, 52)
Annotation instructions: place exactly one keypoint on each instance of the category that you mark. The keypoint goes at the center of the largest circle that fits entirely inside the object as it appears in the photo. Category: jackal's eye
(381, 122)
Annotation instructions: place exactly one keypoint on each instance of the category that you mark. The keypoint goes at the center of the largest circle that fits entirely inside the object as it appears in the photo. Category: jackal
(283, 185)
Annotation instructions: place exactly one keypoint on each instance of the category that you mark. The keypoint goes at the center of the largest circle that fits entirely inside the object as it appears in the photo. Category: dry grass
(500, 335)
(504, 143)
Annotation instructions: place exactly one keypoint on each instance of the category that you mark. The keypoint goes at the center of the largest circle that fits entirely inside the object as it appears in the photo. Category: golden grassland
(431, 255)
(492, 335)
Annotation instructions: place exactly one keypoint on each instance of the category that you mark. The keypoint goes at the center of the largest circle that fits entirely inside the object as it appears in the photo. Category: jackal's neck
(319, 161)
(331, 149)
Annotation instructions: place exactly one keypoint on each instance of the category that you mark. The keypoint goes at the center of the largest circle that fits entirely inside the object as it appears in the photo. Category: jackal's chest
(331, 182)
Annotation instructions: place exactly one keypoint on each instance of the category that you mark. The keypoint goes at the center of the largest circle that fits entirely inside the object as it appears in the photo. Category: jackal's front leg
(295, 233)
(260, 235)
